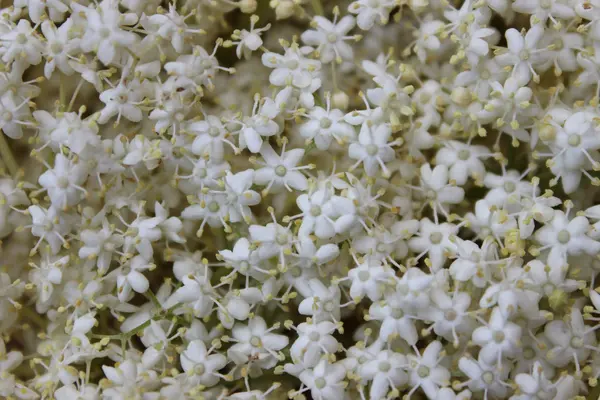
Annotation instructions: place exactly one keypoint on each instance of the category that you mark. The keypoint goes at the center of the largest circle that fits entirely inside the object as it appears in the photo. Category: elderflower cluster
(304, 199)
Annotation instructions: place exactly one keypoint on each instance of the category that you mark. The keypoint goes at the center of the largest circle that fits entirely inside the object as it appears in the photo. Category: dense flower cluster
(244, 200)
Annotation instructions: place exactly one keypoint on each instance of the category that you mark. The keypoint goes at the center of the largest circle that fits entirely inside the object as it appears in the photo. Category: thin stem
(7, 156)
(317, 7)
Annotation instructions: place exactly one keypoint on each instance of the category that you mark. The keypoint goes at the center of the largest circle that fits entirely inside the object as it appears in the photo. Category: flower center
(280, 170)
(488, 377)
(499, 336)
(372, 149)
(320, 383)
(332, 38)
(314, 336)
(564, 236)
(328, 306)
(213, 131)
(7, 116)
(201, 172)
(206, 64)
(430, 194)
(450, 315)
(109, 246)
(381, 248)
(56, 47)
(62, 182)
(374, 3)
(546, 4)
(464, 154)
(576, 342)
(291, 64)
(296, 272)
(384, 366)
(364, 276)
(199, 369)
(282, 239)
(435, 238)
(255, 341)
(397, 313)
(213, 206)
(21, 38)
(244, 266)
(509, 187)
(104, 32)
(315, 211)
(325, 123)
(574, 140)
(528, 353)
(423, 371)
(524, 54)
(558, 44)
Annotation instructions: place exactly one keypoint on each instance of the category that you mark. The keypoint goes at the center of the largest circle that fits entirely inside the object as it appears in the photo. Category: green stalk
(7, 156)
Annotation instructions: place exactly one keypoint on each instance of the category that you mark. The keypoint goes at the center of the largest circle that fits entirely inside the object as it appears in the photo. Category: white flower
(100, 245)
(255, 344)
(329, 37)
(369, 11)
(261, 124)
(434, 240)
(21, 42)
(544, 9)
(462, 160)
(211, 135)
(571, 339)
(281, 170)
(484, 377)
(324, 125)
(435, 187)
(373, 149)
(248, 41)
(371, 279)
(122, 100)
(522, 53)
(128, 379)
(314, 339)
(64, 181)
(323, 304)
(427, 40)
(395, 321)
(197, 361)
(15, 115)
(59, 48)
(292, 68)
(50, 226)
(385, 371)
(37, 9)
(499, 339)
(320, 213)
(535, 385)
(426, 371)
(325, 381)
(131, 277)
(566, 237)
(450, 314)
(104, 33)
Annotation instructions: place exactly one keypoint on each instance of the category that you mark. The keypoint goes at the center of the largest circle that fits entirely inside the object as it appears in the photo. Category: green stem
(7, 156)
(34, 316)
(317, 7)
